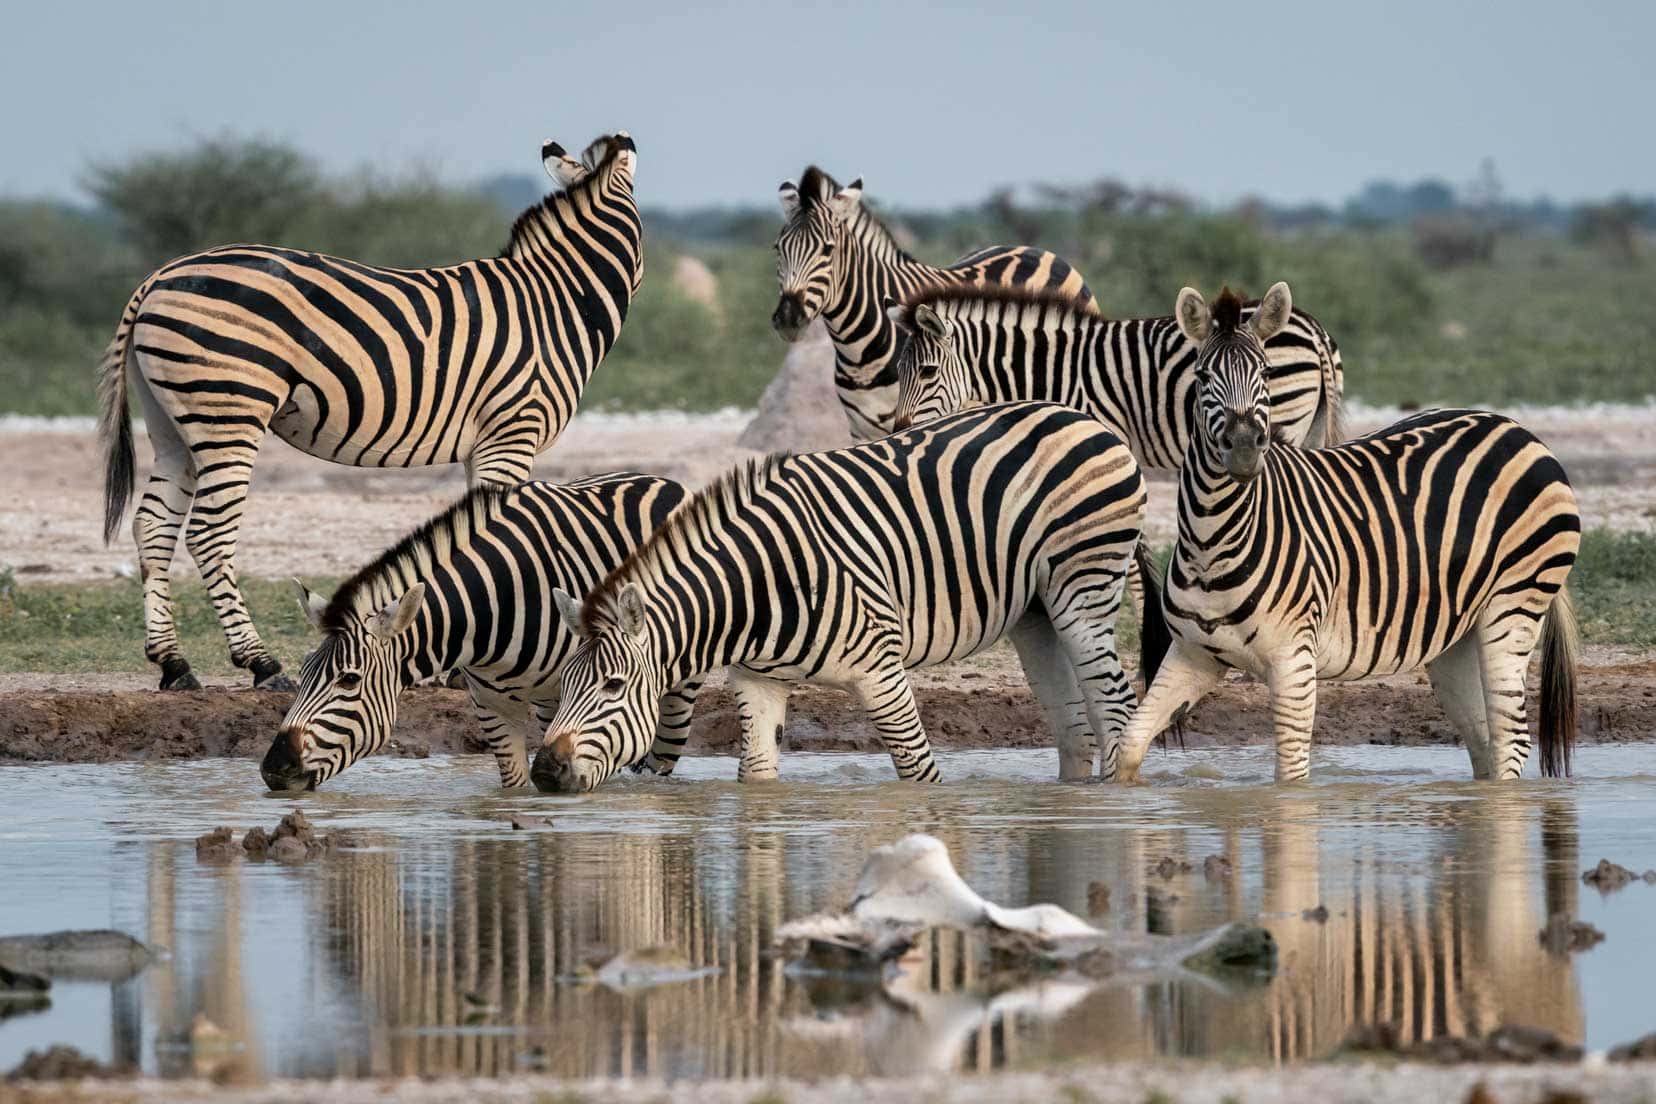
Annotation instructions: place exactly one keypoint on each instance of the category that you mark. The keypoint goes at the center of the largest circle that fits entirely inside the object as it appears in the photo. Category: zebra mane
(412, 555)
(1227, 310)
(535, 216)
(955, 298)
(816, 188)
(705, 509)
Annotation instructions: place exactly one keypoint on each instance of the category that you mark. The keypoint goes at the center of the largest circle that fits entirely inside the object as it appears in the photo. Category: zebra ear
(398, 615)
(564, 170)
(894, 311)
(632, 610)
(930, 321)
(1192, 313)
(846, 199)
(788, 193)
(569, 608)
(313, 604)
(1273, 312)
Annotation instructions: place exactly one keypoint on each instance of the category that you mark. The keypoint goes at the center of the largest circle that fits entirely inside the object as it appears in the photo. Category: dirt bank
(977, 704)
(1187, 1083)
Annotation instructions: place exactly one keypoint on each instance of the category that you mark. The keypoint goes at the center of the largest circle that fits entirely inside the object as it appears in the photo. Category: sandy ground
(1366, 1083)
(51, 480)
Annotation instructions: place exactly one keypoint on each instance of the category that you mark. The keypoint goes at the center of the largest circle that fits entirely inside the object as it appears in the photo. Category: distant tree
(1612, 226)
(220, 191)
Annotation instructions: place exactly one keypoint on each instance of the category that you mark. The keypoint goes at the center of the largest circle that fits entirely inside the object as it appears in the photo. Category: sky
(932, 105)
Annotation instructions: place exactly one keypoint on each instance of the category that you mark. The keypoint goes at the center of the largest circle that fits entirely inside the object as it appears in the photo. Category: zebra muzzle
(282, 769)
(553, 770)
(788, 320)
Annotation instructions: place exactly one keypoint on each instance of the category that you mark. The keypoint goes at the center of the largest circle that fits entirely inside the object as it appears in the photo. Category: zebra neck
(864, 338)
(1219, 517)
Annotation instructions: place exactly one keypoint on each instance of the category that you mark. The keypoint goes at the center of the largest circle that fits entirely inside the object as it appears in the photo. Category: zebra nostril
(1227, 440)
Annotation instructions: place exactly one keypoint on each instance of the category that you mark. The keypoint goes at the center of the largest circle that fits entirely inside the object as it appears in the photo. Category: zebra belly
(299, 423)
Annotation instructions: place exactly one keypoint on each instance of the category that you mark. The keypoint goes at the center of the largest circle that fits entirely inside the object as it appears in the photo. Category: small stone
(1607, 877)
(1098, 898)
(1216, 868)
(219, 845)
(256, 843)
(1318, 915)
(1563, 936)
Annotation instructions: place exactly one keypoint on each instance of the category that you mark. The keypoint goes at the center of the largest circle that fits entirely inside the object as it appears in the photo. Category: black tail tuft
(115, 428)
(1560, 643)
(1155, 638)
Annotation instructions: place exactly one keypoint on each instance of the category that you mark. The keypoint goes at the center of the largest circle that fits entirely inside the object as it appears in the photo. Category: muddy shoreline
(963, 709)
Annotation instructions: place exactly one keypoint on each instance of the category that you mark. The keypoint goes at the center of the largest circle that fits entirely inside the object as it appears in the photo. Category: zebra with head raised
(1442, 541)
(846, 567)
(479, 363)
(834, 260)
(967, 346)
(471, 590)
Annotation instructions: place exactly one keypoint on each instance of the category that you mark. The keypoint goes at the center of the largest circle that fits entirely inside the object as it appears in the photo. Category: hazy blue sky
(1291, 100)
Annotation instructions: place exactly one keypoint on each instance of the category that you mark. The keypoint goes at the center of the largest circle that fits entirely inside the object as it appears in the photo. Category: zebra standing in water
(845, 567)
(1442, 541)
(973, 345)
(471, 590)
(835, 260)
(480, 362)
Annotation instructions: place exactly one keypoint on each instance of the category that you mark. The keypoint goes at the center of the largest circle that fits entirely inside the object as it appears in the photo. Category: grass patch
(84, 628)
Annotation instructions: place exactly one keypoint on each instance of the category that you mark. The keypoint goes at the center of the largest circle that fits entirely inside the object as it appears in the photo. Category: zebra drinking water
(835, 260)
(846, 567)
(471, 590)
(1443, 541)
(480, 363)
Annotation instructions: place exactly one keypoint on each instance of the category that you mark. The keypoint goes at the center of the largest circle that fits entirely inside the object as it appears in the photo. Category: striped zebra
(1442, 541)
(845, 567)
(469, 591)
(834, 260)
(480, 363)
(968, 346)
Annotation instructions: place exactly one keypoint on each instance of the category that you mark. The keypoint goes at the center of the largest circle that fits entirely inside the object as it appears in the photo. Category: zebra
(845, 567)
(1444, 541)
(968, 346)
(480, 362)
(470, 590)
(836, 261)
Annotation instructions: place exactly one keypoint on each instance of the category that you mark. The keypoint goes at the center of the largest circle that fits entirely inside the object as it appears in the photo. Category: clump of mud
(1607, 877)
(1523, 1045)
(1564, 936)
(61, 1063)
(293, 840)
(1216, 868)
(1170, 868)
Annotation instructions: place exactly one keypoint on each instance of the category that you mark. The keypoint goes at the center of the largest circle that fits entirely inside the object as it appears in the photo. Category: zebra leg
(1052, 678)
(888, 697)
(156, 525)
(1184, 678)
(1292, 682)
(223, 471)
(1085, 627)
(763, 705)
(678, 705)
(505, 737)
(1457, 680)
(1504, 647)
(1135, 584)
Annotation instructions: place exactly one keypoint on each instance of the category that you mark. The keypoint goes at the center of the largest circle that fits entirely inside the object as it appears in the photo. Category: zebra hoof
(176, 675)
(267, 675)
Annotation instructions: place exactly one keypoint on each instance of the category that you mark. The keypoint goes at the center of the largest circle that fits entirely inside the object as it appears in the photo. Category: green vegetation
(1431, 300)
(99, 627)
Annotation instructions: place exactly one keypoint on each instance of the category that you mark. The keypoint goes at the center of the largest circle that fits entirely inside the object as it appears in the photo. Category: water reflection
(439, 955)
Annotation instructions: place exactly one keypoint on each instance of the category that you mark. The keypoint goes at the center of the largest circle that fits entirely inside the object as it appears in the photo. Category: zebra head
(610, 697)
(809, 247)
(1234, 404)
(932, 379)
(348, 687)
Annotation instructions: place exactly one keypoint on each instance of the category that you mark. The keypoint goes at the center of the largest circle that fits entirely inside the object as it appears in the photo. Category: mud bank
(961, 708)
(1356, 1083)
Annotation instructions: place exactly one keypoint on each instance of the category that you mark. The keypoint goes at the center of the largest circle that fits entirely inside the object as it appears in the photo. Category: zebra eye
(614, 685)
(929, 371)
(347, 680)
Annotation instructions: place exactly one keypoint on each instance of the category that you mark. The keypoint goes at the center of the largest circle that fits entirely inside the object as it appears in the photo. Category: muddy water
(445, 948)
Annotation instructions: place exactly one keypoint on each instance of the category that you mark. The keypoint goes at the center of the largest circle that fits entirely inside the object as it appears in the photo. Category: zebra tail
(115, 421)
(1560, 646)
(1155, 638)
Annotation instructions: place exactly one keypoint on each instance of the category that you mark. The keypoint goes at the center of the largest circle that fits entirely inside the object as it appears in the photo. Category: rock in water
(1607, 876)
(219, 845)
(800, 409)
(59, 1063)
(19, 983)
(98, 955)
